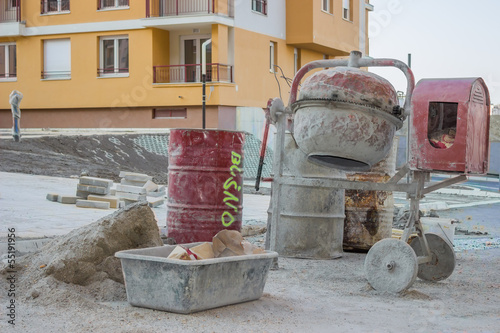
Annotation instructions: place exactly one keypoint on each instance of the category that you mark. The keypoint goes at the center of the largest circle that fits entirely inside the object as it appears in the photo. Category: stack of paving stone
(95, 193)
(91, 192)
(135, 187)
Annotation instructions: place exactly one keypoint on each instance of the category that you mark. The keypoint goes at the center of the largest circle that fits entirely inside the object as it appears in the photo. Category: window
(114, 56)
(347, 10)
(260, 6)
(273, 59)
(169, 113)
(106, 4)
(56, 59)
(8, 61)
(327, 6)
(54, 6)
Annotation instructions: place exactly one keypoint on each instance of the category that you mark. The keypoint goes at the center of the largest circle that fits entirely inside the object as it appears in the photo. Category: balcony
(169, 8)
(10, 18)
(192, 73)
(10, 11)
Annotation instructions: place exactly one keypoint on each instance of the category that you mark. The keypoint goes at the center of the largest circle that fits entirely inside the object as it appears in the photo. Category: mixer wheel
(443, 258)
(391, 266)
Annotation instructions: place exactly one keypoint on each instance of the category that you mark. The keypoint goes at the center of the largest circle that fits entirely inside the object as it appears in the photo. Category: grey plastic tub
(185, 286)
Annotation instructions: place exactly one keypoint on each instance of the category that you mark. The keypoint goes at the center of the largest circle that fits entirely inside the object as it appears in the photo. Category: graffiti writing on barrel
(230, 199)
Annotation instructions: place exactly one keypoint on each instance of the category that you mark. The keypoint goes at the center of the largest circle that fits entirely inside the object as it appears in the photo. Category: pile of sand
(82, 263)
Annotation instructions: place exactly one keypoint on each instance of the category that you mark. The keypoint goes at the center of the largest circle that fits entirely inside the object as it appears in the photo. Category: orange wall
(309, 26)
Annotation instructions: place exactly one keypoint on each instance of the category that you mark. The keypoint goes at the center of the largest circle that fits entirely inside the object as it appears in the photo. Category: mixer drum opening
(338, 162)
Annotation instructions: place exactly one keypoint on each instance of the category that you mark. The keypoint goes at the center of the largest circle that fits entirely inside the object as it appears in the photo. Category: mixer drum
(344, 118)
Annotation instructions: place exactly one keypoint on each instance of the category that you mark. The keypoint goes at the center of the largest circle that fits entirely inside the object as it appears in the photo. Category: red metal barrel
(205, 183)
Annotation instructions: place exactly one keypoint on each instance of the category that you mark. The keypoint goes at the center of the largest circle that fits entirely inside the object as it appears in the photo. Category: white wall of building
(273, 24)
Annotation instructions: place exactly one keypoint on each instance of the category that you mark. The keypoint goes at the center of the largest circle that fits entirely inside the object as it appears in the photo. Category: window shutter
(57, 58)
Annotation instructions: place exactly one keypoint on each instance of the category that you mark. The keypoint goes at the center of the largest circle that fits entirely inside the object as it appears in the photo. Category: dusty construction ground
(302, 295)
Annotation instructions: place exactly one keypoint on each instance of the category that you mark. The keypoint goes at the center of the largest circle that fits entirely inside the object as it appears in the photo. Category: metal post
(203, 80)
(148, 11)
(408, 132)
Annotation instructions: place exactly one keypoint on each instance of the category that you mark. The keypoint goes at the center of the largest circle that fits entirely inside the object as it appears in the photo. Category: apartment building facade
(137, 63)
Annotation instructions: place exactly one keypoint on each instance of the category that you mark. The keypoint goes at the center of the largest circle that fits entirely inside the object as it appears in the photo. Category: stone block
(130, 189)
(131, 196)
(121, 203)
(128, 202)
(82, 194)
(139, 183)
(92, 204)
(92, 189)
(150, 186)
(112, 191)
(155, 202)
(68, 199)
(93, 181)
(135, 176)
(156, 194)
(52, 196)
(113, 201)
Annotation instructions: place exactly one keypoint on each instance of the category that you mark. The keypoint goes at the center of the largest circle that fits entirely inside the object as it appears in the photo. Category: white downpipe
(204, 56)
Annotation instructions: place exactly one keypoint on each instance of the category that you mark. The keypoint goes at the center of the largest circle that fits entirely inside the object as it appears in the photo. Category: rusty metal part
(205, 183)
(350, 85)
(342, 135)
(356, 61)
(450, 126)
(346, 118)
(369, 214)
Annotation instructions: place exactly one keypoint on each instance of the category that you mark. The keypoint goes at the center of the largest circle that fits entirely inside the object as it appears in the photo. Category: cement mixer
(345, 119)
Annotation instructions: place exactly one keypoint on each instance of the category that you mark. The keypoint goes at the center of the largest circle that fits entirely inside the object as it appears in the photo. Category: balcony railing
(160, 8)
(54, 6)
(10, 11)
(192, 73)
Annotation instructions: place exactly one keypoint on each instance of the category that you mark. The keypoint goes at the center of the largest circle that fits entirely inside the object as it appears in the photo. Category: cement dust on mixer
(345, 119)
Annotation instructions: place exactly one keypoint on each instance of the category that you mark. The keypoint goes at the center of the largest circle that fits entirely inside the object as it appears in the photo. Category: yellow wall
(161, 47)
(219, 43)
(81, 11)
(84, 89)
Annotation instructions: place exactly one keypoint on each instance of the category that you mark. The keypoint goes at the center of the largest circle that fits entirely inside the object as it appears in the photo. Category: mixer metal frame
(435, 259)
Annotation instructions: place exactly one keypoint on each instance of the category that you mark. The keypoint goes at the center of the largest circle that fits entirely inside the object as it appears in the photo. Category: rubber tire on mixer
(391, 266)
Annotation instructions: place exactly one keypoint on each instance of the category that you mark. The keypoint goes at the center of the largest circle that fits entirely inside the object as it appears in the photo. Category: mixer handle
(355, 60)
